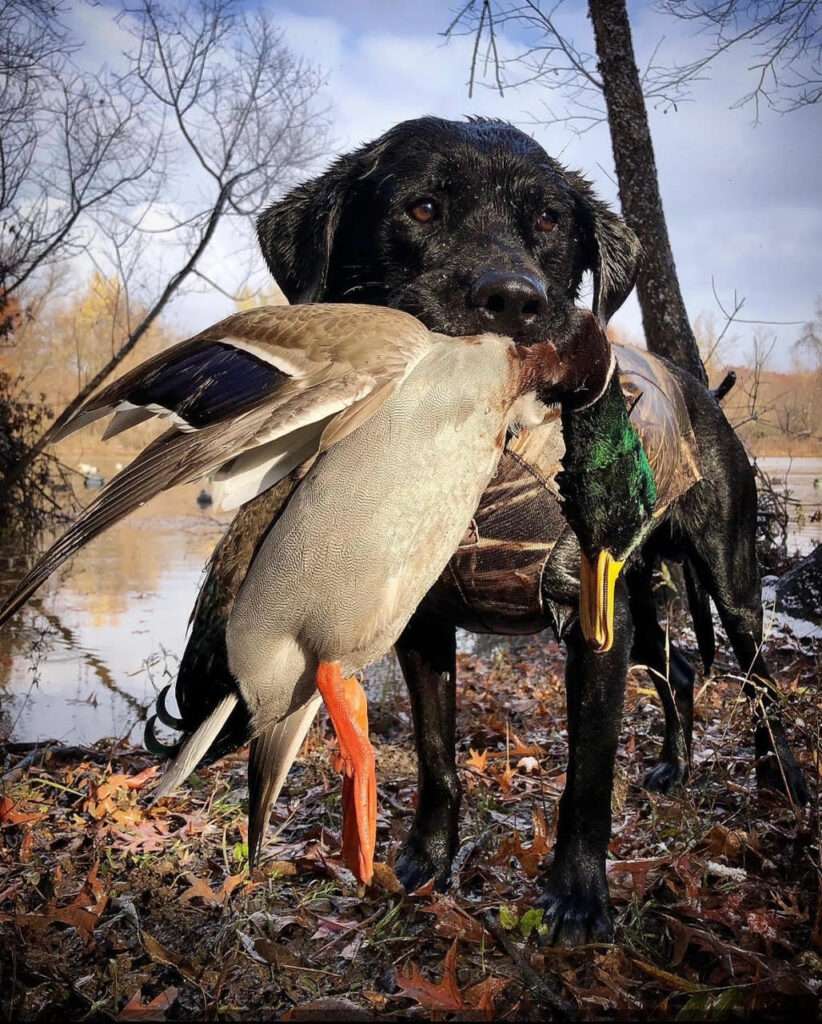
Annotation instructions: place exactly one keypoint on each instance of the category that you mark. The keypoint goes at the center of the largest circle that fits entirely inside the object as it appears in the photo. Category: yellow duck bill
(597, 584)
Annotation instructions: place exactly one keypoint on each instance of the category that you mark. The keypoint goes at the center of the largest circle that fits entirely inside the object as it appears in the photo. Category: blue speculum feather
(607, 484)
(208, 383)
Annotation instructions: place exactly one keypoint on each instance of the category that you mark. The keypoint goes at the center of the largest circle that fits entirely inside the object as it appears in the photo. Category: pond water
(87, 657)
(803, 480)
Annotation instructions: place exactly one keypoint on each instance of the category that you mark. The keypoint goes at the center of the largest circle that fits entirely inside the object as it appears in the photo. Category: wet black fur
(347, 236)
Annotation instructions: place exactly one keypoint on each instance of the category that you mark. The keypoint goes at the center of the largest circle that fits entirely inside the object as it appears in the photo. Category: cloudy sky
(742, 199)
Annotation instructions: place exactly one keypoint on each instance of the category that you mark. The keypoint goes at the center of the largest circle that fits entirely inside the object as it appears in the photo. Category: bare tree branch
(233, 112)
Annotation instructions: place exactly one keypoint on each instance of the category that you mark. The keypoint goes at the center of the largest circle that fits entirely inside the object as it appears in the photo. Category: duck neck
(606, 479)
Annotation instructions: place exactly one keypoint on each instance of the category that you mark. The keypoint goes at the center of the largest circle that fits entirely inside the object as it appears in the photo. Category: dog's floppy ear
(296, 233)
(618, 258)
(613, 251)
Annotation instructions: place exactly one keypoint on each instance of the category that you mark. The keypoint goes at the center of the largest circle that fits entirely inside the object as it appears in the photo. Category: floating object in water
(204, 499)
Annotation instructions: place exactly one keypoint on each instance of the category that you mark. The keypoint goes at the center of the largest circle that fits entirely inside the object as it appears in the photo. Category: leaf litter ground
(112, 909)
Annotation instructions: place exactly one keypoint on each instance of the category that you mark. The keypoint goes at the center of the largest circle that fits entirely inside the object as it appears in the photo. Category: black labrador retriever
(472, 227)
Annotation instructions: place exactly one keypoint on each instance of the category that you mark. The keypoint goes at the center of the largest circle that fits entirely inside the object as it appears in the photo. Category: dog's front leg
(576, 895)
(427, 652)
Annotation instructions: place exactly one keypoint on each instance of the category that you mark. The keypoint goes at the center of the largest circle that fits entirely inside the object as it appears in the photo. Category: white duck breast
(371, 527)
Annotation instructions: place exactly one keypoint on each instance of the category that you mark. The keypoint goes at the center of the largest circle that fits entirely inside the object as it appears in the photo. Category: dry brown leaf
(83, 913)
(504, 778)
(199, 889)
(638, 871)
(144, 837)
(442, 995)
(118, 780)
(330, 1008)
(384, 878)
(163, 955)
(425, 890)
(519, 749)
(10, 816)
(286, 868)
(230, 884)
(136, 1010)
(530, 857)
(26, 847)
(453, 922)
(476, 760)
(482, 996)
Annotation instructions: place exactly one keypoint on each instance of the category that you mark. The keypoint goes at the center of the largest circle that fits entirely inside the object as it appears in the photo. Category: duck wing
(293, 359)
(251, 399)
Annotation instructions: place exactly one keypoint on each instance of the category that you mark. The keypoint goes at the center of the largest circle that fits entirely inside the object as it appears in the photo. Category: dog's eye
(546, 221)
(424, 211)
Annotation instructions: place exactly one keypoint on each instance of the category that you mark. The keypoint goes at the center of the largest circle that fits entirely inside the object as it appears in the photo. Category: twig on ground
(529, 976)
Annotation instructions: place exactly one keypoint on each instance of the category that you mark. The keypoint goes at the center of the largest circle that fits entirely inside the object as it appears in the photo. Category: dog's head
(469, 225)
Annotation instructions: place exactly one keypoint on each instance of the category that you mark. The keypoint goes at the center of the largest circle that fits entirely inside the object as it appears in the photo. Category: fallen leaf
(639, 872)
(726, 842)
(26, 847)
(329, 1008)
(530, 857)
(200, 889)
(476, 760)
(330, 927)
(482, 996)
(163, 955)
(284, 868)
(83, 913)
(520, 749)
(384, 878)
(442, 995)
(144, 837)
(452, 922)
(10, 816)
(119, 780)
(136, 1010)
(425, 890)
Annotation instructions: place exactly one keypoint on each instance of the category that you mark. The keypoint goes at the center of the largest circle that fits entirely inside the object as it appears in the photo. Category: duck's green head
(609, 495)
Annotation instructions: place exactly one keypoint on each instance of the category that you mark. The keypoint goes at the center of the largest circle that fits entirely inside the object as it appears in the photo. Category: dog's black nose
(508, 302)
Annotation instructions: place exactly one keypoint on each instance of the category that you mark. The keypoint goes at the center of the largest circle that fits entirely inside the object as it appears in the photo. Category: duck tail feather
(272, 753)
(194, 748)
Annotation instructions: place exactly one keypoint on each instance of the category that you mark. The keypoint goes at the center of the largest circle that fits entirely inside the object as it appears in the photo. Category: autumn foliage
(149, 913)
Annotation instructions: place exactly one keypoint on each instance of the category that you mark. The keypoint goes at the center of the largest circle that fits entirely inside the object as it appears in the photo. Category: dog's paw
(776, 766)
(666, 776)
(782, 776)
(421, 859)
(576, 918)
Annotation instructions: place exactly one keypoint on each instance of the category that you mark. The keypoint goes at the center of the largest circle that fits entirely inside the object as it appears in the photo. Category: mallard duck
(410, 425)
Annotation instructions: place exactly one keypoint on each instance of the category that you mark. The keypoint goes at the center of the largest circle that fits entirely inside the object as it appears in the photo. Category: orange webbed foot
(347, 707)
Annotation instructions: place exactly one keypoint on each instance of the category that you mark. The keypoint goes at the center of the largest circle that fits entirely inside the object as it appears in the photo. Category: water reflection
(87, 655)
(803, 479)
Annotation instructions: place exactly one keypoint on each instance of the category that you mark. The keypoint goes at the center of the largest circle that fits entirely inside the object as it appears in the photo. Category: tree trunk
(664, 317)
